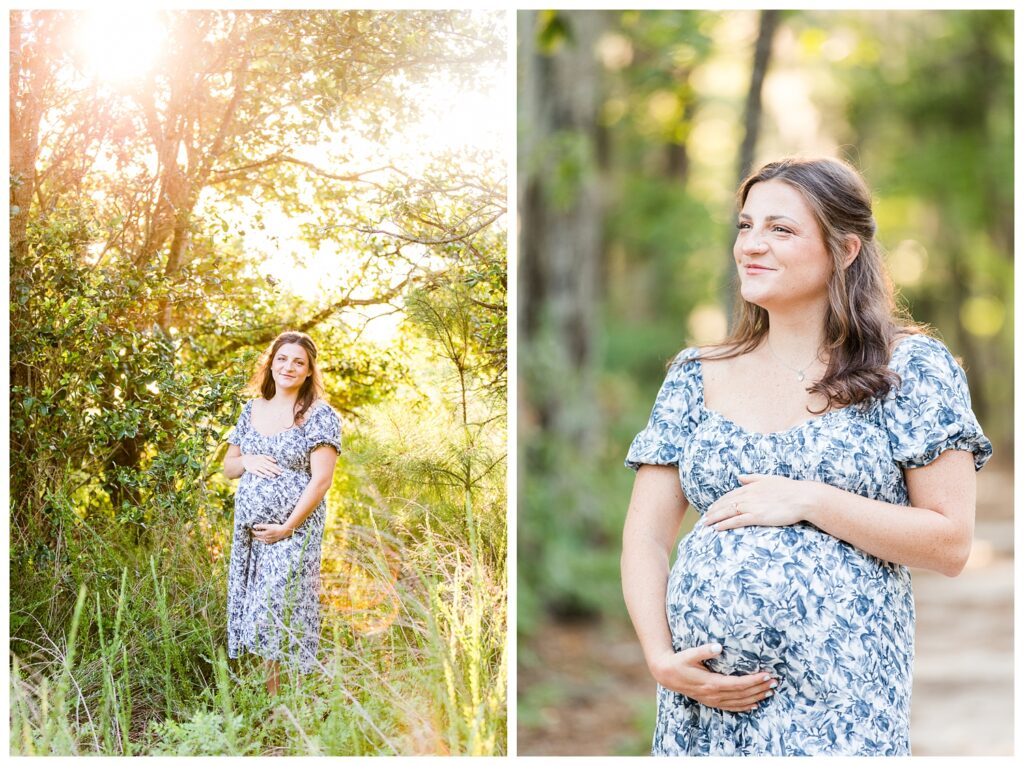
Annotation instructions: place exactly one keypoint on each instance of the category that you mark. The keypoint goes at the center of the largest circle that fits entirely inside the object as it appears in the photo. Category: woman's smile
(777, 225)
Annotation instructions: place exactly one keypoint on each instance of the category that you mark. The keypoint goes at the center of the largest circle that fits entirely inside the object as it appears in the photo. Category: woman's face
(290, 366)
(780, 251)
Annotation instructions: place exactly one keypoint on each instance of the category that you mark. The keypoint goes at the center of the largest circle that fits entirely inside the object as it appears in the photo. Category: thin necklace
(798, 370)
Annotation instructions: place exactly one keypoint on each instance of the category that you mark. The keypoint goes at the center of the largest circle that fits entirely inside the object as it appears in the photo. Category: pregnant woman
(826, 446)
(284, 448)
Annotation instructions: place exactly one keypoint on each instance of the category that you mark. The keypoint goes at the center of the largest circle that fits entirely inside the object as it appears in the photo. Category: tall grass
(135, 665)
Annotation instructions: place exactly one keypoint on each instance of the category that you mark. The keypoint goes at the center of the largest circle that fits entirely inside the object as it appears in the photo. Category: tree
(138, 181)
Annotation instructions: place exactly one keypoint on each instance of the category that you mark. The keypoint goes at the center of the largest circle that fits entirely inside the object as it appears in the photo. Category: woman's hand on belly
(684, 672)
(261, 465)
(271, 533)
(766, 501)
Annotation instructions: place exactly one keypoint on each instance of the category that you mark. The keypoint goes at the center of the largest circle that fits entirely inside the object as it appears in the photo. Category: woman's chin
(756, 297)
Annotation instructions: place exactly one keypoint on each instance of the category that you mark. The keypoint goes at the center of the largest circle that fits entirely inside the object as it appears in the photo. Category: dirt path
(584, 689)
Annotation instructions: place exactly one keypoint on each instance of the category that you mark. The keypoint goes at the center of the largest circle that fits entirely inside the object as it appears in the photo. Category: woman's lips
(752, 269)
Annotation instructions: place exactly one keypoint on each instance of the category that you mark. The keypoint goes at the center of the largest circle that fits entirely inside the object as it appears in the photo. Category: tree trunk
(751, 128)
(561, 257)
(26, 78)
(560, 242)
(29, 77)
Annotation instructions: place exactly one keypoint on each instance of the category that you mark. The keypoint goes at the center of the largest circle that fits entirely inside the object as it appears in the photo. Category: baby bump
(776, 598)
(268, 500)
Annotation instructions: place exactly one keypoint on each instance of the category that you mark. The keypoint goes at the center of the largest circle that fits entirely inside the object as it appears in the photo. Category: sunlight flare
(118, 46)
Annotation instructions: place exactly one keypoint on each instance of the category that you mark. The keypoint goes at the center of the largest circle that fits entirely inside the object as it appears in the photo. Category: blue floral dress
(835, 625)
(274, 590)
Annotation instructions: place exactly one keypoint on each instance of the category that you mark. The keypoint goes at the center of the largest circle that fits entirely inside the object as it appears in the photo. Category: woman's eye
(782, 230)
(742, 225)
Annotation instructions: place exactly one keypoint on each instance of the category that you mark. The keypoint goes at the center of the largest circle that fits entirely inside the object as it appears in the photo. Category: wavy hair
(861, 320)
(262, 381)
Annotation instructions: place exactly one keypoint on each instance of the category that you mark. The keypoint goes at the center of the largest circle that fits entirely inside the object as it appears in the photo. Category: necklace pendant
(800, 376)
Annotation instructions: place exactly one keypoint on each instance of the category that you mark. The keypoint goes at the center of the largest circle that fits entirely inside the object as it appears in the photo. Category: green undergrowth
(121, 651)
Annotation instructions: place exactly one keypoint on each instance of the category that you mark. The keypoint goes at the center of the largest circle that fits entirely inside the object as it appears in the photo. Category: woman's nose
(753, 243)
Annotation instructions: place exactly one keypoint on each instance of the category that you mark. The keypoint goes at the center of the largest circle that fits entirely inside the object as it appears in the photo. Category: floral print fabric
(274, 590)
(835, 625)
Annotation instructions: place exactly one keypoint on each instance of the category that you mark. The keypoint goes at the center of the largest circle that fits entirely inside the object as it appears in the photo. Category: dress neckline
(736, 426)
(258, 432)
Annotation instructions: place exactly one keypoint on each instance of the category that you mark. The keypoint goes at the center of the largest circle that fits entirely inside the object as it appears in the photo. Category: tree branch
(219, 176)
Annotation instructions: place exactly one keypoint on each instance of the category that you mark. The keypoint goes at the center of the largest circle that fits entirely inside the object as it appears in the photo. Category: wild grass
(412, 656)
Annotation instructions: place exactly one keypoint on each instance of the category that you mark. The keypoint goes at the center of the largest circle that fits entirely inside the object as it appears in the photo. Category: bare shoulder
(720, 359)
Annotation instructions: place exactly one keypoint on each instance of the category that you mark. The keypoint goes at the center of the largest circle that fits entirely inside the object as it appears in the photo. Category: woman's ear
(852, 250)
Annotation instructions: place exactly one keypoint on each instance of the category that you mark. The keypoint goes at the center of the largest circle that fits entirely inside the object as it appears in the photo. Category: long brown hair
(312, 388)
(861, 320)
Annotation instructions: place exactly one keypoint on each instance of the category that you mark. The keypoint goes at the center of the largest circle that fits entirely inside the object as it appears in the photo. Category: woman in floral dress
(284, 448)
(827, 446)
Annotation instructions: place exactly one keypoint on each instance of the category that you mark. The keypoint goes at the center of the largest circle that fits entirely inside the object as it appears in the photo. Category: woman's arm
(656, 510)
(233, 468)
(934, 532)
(321, 467)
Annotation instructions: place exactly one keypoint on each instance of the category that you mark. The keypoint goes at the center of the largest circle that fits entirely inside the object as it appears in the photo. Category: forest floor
(584, 689)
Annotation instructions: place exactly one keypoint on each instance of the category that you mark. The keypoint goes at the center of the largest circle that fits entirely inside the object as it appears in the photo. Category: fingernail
(768, 694)
(716, 647)
(773, 685)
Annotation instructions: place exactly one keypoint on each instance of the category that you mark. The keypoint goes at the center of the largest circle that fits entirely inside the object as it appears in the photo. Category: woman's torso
(271, 500)
(761, 591)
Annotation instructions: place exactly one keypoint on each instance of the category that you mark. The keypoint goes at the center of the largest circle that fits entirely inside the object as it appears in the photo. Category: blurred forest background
(634, 131)
(185, 185)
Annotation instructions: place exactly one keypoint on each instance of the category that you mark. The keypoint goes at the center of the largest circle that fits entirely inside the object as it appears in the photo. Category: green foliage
(78, 345)
(137, 311)
(204, 734)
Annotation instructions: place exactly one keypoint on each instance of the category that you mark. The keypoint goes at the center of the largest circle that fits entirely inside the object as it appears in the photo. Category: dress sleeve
(675, 415)
(241, 427)
(931, 412)
(323, 427)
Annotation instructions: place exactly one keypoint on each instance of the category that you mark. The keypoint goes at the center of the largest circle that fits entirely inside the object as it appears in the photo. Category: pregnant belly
(268, 501)
(778, 598)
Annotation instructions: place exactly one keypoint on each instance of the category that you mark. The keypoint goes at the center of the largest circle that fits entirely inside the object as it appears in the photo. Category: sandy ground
(584, 690)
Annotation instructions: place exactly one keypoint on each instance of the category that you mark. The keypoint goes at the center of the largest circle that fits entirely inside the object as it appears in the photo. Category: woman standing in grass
(284, 448)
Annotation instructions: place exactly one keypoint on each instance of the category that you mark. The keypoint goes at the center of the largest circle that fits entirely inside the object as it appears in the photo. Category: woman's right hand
(261, 465)
(684, 672)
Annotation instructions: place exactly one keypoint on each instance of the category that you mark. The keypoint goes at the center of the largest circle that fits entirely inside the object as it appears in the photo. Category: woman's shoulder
(914, 349)
(926, 367)
(320, 410)
(708, 352)
(685, 365)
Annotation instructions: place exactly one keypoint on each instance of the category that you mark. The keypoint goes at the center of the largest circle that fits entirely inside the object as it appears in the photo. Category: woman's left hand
(766, 501)
(271, 533)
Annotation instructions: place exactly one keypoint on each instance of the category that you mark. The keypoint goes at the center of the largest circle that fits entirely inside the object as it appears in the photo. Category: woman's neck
(796, 339)
(285, 398)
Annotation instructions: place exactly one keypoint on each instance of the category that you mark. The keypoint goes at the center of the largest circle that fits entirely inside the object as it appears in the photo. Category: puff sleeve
(323, 427)
(930, 412)
(241, 428)
(675, 415)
